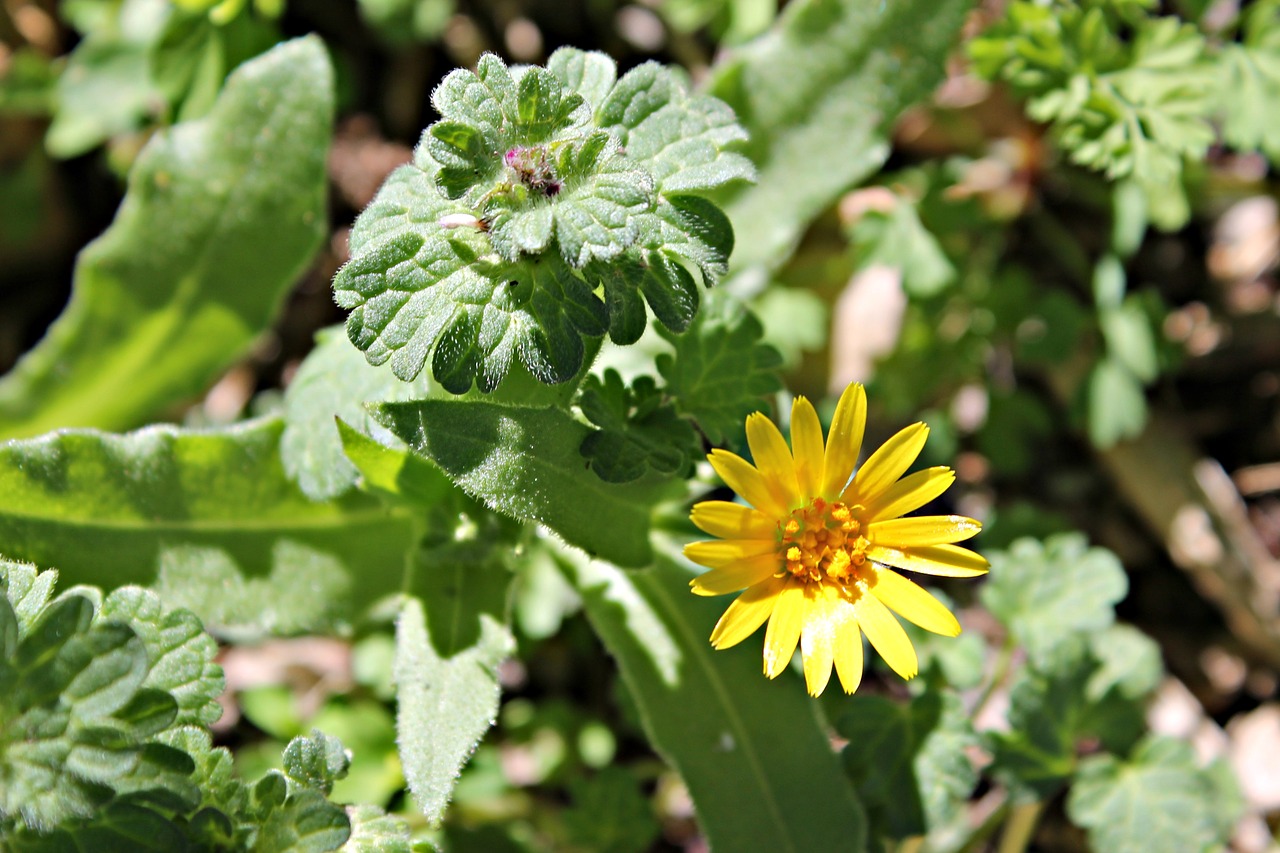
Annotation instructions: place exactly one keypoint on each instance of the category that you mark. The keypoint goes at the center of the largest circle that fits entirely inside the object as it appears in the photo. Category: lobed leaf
(639, 433)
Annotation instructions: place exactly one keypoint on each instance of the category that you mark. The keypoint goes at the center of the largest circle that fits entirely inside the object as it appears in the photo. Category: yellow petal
(740, 575)
(741, 476)
(848, 647)
(773, 459)
(911, 493)
(715, 553)
(922, 530)
(747, 613)
(818, 637)
(886, 465)
(887, 636)
(732, 521)
(913, 603)
(783, 634)
(946, 561)
(806, 447)
(844, 441)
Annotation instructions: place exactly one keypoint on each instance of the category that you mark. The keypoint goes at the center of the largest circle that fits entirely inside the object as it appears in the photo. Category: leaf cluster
(104, 739)
(1137, 95)
(544, 209)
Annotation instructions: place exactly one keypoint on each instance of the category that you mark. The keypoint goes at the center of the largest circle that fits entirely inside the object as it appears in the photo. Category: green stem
(1021, 827)
(1003, 663)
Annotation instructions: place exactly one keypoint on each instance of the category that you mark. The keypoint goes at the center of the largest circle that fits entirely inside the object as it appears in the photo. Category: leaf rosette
(547, 207)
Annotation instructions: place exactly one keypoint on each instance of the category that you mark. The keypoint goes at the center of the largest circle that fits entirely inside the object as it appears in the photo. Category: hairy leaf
(818, 95)
(525, 462)
(639, 430)
(209, 517)
(715, 718)
(221, 216)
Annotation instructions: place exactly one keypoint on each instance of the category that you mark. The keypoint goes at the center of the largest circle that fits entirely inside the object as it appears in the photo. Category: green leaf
(488, 250)
(714, 717)
(526, 463)
(374, 831)
(333, 381)
(221, 216)
(610, 813)
(448, 647)
(1117, 407)
(909, 761)
(316, 761)
(209, 518)
(28, 591)
(180, 653)
(1156, 800)
(1053, 595)
(639, 431)
(397, 476)
(898, 239)
(818, 95)
(399, 21)
(302, 822)
(106, 88)
(1249, 82)
(1131, 341)
(720, 372)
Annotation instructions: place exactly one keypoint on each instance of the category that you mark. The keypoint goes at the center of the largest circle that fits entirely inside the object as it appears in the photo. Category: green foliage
(1249, 81)
(610, 814)
(1052, 596)
(209, 517)
(640, 431)
(489, 249)
(175, 291)
(526, 463)
(400, 21)
(819, 94)
(104, 747)
(715, 719)
(898, 239)
(1158, 799)
(909, 761)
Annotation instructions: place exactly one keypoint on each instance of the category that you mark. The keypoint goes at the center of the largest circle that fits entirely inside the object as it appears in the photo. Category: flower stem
(1021, 827)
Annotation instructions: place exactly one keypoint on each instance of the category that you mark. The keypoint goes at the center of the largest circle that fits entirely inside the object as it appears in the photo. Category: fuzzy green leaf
(447, 654)
(316, 761)
(181, 654)
(1159, 799)
(525, 462)
(221, 216)
(333, 381)
(373, 831)
(1051, 596)
(610, 812)
(209, 517)
(639, 431)
(720, 371)
(301, 821)
(715, 718)
(1249, 82)
(818, 95)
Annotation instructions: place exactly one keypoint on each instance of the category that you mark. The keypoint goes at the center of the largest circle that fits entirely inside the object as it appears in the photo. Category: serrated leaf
(447, 654)
(818, 95)
(714, 717)
(208, 517)
(589, 73)
(639, 431)
(1053, 595)
(305, 822)
(395, 475)
(909, 761)
(374, 831)
(180, 654)
(221, 216)
(28, 589)
(1157, 800)
(333, 381)
(525, 462)
(1250, 82)
(720, 371)
(596, 218)
(316, 761)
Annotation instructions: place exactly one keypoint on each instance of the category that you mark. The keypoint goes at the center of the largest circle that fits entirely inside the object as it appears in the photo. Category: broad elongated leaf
(818, 95)
(447, 654)
(525, 462)
(208, 516)
(751, 751)
(221, 216)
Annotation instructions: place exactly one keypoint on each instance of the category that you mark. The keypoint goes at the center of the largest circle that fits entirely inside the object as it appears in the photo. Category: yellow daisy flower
(815, 551)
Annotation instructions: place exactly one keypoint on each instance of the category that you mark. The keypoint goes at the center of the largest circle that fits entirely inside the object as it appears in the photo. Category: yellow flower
(814, 550)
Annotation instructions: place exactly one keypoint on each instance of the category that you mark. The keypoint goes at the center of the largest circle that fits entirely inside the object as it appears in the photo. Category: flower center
(824, 541)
